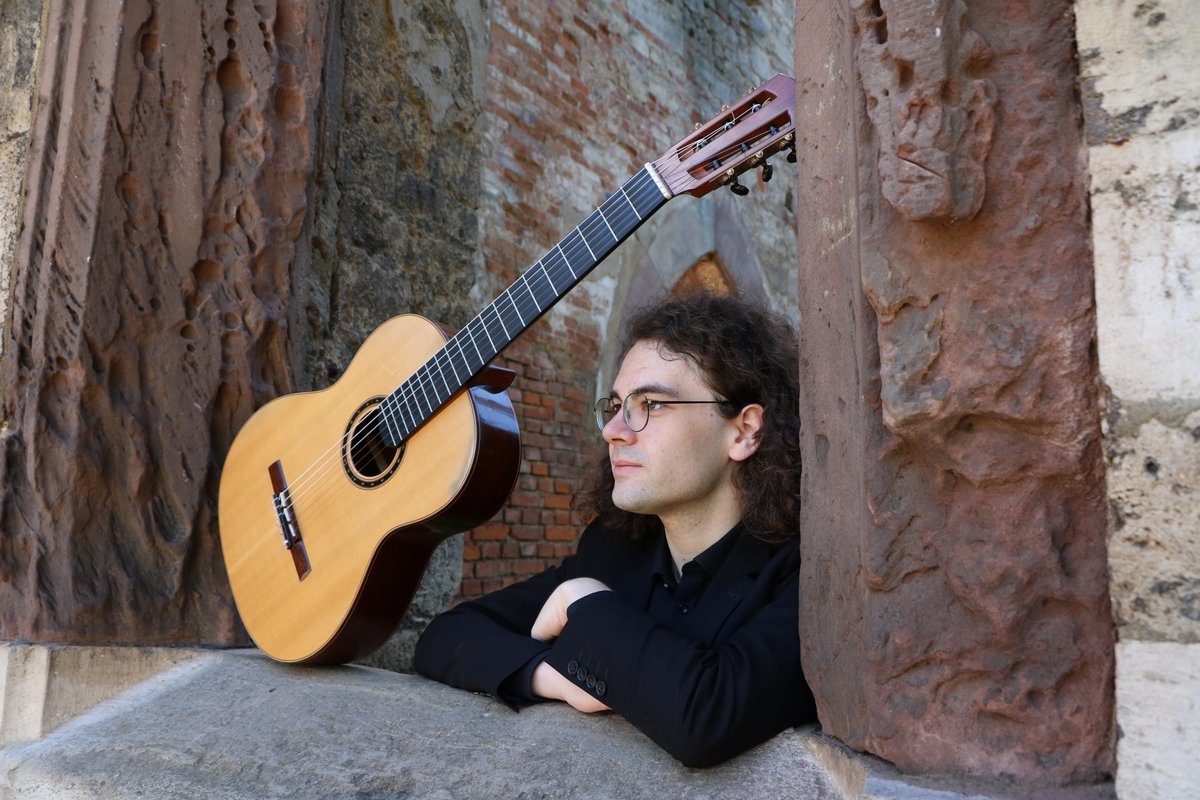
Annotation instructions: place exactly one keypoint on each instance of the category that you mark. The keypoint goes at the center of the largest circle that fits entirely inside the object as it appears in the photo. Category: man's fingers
(550, 620)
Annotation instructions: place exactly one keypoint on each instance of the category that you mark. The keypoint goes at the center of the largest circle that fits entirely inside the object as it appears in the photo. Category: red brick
(527, 533)
(560, 533)
(490, 532)
(528, 566)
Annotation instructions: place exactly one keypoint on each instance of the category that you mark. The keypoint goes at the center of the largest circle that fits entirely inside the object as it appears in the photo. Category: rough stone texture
(1138, 67)
(1154, 545)
(42, 687)
(152, 306)
(933, 117)
(1158, 702)
(227, 726)
(231, 726)
(954, 585)
(20, 42)
(395, 222)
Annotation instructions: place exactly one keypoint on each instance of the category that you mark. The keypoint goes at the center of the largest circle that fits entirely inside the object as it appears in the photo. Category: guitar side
(365, 543)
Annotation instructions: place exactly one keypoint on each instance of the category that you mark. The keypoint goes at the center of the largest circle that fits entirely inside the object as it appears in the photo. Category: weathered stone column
(151, 308)
(954, 601)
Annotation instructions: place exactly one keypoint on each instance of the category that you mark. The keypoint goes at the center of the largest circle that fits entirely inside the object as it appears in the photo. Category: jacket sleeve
(480, 643)
(701, 704)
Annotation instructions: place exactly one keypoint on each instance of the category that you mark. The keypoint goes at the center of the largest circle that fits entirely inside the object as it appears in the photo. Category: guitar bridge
(288, 524)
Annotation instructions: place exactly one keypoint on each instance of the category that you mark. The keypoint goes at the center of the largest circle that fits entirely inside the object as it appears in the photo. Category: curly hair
(746, 355)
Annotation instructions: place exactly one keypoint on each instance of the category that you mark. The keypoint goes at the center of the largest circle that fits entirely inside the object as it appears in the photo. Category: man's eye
(653, 405)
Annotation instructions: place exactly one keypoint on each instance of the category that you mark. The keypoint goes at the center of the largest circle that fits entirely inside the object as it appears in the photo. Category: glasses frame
(604, 416)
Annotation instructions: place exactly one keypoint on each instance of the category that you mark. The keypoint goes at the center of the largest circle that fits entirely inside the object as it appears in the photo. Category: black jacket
(705, 686)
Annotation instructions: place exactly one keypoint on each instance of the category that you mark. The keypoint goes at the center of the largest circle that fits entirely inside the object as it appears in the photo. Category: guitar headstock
(743, 136)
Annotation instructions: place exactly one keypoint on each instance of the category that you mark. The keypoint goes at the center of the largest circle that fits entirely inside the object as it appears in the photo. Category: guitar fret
(543, 283)
(563, 256)
(630, 202)
(607, 225)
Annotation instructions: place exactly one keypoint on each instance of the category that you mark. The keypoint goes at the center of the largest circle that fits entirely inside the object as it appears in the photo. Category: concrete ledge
(44, 686)
(229, 726)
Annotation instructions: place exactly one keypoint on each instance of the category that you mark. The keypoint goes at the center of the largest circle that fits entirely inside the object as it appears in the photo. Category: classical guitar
(332, 502)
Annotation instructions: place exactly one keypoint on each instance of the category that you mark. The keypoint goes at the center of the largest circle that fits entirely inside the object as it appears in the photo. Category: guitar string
(299, 490)
(311, 499)
(444, 358)
(405, 403)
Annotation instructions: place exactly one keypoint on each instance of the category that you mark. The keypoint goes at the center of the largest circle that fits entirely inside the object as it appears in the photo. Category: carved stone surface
(956, 614)
(933, 113)
(164, 206)
(172, 278)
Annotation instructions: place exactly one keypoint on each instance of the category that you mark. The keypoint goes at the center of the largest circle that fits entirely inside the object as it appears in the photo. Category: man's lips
(622, 466)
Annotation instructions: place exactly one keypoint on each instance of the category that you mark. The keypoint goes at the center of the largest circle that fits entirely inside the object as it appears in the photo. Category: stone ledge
(235, 725)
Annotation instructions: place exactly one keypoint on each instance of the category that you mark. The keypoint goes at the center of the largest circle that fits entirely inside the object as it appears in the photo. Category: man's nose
(615, 430)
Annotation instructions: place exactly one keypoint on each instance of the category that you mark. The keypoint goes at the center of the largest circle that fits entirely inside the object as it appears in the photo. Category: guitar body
(367, 517)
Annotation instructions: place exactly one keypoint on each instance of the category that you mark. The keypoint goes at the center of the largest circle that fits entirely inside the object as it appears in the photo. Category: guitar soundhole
(367, 457)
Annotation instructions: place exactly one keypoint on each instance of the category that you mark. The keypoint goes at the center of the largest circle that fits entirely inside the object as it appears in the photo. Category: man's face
(680, 464)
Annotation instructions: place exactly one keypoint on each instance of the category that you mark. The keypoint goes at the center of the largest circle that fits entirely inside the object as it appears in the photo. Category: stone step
(235, 725)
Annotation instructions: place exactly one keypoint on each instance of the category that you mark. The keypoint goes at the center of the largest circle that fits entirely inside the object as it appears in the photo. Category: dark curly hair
(747, 355)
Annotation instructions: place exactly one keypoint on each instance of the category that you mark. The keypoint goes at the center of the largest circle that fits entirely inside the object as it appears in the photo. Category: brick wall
(580, 96)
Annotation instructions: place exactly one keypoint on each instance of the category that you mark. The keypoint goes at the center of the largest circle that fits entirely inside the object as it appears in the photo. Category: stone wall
(225, 199)
(954, 585)
(1138, 66)
(20, 40)
(580, 96)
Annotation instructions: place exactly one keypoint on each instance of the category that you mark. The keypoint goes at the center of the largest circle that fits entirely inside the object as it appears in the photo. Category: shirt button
(684, 609)
(601, 688)
(572, 666)
(591, 681)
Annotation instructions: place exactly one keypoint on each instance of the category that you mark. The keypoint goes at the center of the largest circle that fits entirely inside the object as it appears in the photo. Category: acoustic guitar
(331, 502)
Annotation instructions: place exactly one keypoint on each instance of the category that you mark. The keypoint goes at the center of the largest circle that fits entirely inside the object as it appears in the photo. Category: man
(679, 609)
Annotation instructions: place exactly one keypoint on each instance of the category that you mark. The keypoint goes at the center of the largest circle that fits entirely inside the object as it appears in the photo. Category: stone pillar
(151, 306)
(1142, 115)
(954, 601)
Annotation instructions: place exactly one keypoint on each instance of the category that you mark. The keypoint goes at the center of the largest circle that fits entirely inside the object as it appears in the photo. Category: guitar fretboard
(516, 308)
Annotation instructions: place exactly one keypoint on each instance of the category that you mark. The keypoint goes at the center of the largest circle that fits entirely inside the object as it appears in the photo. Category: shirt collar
(710, 560)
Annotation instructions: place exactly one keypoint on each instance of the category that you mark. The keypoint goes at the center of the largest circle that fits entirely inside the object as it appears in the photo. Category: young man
(680, 608)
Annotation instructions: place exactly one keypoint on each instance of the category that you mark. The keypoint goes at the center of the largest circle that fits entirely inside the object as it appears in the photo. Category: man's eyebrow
(650, 388)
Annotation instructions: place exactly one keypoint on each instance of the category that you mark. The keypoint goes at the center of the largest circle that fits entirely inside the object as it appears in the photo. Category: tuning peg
(791, 156)
(767, 171)
(738, 189)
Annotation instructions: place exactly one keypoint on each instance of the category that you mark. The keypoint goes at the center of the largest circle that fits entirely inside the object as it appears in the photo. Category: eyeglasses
(636, 408)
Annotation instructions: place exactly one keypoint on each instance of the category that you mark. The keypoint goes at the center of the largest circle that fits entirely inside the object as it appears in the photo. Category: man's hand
(553, 616)
(550, 683)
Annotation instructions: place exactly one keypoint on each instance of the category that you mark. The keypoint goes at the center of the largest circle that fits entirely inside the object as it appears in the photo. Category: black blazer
(718, 681)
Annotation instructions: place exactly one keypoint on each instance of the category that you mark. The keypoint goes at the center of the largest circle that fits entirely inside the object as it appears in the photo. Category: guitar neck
(542, 285)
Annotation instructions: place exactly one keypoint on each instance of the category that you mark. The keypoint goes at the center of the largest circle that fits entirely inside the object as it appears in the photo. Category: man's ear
(749, 425)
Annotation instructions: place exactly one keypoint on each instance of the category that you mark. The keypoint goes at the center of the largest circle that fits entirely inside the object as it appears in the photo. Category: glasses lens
(604, 409)
(637, 412)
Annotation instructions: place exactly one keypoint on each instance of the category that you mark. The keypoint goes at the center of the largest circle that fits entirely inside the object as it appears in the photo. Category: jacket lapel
(731, 584)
